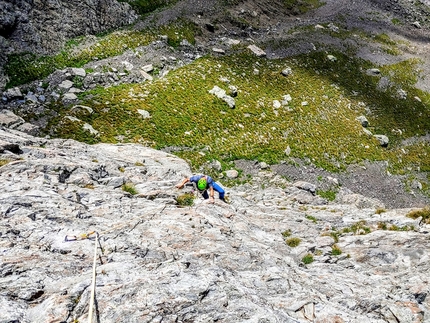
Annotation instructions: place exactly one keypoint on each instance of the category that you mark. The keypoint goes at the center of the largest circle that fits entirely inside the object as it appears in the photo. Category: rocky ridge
(160, 262)
(45, 26)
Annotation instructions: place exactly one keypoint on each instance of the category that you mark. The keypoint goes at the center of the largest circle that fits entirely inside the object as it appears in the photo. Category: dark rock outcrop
(44, 26)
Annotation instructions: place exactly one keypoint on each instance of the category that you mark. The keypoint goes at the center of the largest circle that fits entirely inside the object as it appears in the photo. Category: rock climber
(203, 183)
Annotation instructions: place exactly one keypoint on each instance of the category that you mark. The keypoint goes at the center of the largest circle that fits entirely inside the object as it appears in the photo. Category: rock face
(159, 262)
(44, 26)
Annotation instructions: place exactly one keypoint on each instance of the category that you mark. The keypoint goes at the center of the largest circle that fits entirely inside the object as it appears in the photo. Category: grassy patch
(393, 227)
(335, 250)
(178, 31)
(308, 259)
(424, 213)
(396, 21)
(286, 233)
(302, 6)
(358, 228)
(129, 188)
(380, 210)
(317, 124)
(335, 236)
(382, 226)
(184, 113)
(329, 195)
(312, 218)
(4, 162)
(186, 199)
(25, 68)
(384, 39)
(293, 242)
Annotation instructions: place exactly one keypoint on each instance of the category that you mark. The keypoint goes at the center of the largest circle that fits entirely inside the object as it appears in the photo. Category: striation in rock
(159, 262)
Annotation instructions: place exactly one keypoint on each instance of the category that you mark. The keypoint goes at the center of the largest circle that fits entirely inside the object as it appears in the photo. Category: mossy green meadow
(318, 124)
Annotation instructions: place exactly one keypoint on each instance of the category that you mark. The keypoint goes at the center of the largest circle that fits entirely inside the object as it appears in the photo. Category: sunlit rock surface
(159, 262)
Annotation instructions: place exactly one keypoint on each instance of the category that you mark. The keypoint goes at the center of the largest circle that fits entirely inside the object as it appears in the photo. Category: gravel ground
(370, 180)
(270, 19)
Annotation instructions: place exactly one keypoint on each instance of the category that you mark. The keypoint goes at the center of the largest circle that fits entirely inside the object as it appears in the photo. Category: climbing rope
(93, 282)
(95, 235)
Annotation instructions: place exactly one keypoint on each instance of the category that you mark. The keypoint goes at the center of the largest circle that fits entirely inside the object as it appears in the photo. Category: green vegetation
(424, 213)
(403, 74)
(318, 123)
(393, 227)
(335, 250)
(302, 6)
(186, 199)
(308, 259)
(24, 68)
(335, 236)
(324, 130)
(380, 210)
(286, 233)
(312, 218)
(358, 228)
(147, 6)
(129, 188)
(179, 30)
(29, 67)
(382, 226)
(293, 242)
(384, 39)
(396, 21)
(4, 162)
(329, 195)
(388, 45)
